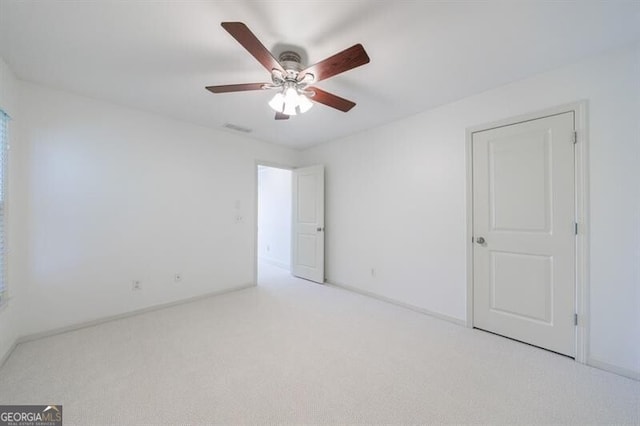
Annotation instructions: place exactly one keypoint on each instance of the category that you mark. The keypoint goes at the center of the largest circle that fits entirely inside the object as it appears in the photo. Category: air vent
(236, 128)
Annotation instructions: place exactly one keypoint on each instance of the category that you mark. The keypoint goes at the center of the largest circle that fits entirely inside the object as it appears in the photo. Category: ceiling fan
(290, 78)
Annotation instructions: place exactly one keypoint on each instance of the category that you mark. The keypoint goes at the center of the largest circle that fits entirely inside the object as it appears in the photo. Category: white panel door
(524, 232)
(307, 246)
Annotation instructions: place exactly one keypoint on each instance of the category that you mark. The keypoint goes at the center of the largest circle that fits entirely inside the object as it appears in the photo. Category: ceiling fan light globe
(277, 103)
(304, 103)
(289, 108)
(291, 96)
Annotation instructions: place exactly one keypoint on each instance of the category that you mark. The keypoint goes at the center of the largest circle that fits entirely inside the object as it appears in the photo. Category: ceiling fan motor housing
(290, 61)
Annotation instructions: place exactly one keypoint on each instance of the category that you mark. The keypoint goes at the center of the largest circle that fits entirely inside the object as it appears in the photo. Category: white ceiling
(158, 56)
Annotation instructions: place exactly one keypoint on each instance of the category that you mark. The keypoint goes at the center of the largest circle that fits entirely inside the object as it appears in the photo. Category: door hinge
(575, 228)
(575, 319)
(575, 137)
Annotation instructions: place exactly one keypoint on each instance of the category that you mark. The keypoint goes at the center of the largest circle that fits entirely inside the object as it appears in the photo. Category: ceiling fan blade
(340, 62)
(249, 41)
(281, 116)
(331, 100)
(235, 87)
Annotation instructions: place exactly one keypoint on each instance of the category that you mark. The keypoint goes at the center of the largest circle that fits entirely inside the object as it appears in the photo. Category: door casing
(581, 193)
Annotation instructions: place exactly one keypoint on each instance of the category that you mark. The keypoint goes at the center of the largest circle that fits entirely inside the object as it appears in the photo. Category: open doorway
(274, 219)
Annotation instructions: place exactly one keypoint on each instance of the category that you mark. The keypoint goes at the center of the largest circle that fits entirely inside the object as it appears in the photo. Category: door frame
(257, 164)
(581, 161)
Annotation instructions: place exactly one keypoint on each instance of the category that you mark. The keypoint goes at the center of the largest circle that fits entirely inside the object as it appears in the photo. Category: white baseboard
(91, 323)
(632, 374)
(621, 371)
(398, 303)
(275, 262)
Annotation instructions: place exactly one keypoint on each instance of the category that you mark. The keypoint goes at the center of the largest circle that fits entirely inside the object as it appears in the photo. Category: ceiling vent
(236, 128)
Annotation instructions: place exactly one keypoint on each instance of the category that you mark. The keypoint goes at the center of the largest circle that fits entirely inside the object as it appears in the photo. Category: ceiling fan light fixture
(290, 101)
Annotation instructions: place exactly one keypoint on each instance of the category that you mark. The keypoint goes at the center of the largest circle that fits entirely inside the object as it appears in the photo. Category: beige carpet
(290, 351)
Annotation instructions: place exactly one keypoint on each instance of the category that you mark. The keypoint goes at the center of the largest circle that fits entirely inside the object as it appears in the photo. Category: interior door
(307, 246)
(524, 232)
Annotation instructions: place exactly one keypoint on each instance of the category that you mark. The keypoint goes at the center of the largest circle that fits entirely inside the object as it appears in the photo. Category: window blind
(4, 120)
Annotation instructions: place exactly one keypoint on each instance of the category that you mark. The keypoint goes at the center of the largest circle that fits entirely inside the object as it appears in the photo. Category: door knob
(319, 229)
(480, 240)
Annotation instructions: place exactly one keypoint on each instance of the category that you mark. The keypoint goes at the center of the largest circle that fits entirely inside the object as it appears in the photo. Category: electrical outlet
(136, 285)
(177, 277)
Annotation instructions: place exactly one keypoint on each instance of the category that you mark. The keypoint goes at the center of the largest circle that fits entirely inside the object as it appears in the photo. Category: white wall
(116, 195)
(14, 225)
(274, 216)
(8, 325)
(396, 199)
